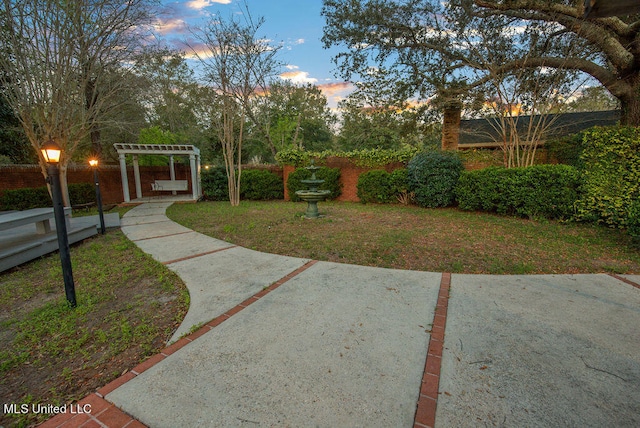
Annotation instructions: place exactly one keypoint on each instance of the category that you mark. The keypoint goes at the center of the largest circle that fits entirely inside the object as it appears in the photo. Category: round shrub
(374, 186)
(331, 177)
(258, 184)
(432, 176)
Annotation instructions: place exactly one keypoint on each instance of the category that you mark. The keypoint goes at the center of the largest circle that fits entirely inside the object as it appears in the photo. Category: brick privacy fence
(349, 174)
(22, 176)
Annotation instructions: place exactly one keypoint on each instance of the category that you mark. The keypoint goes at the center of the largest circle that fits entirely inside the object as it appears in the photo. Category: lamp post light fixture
(51, 153)
(94, 165)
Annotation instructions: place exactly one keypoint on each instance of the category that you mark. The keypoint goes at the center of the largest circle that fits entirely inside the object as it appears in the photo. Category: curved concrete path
(282, 341)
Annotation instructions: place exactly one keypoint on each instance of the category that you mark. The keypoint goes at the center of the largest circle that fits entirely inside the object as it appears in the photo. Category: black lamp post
(51, 153)
(94, 166)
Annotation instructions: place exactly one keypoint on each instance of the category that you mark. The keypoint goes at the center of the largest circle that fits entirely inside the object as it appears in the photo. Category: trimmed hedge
(374, 186)
(548, 191)
(255, 184)
(261, 185)
(214, 184)
(379, 186)
(633, 223)
(432, 176)
(611, 159)
(331, 177)
(38, 197)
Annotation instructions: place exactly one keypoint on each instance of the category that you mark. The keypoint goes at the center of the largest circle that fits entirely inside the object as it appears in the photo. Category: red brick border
(428, 400)
(155, 237)
(625, 280)
(96, 412)
(206, 253)
(104, 414)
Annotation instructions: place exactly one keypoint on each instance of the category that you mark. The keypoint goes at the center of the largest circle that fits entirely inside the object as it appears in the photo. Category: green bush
(24, 199)
(381, 187)
(82, 193)
(214, 184)
(547, 191)
(567, 150)
(331, 177)
(633, 223)
(611, 171)
(399, 182)
(375, 186)
(257, 184)
(432, 176)
(38, 197)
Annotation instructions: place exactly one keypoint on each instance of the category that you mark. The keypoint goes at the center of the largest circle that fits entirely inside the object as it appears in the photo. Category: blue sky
(296, 24)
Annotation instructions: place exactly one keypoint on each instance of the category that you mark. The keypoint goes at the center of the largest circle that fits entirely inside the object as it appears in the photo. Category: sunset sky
(295, 24)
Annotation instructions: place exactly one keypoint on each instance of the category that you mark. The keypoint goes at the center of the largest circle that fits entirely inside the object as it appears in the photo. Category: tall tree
(377, 115)
(63, 66)
(169, 85)
(295, 116)
(458, 45)
(239, 67)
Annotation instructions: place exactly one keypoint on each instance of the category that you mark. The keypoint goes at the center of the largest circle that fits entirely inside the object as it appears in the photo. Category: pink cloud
(201, 4)
(171, 26)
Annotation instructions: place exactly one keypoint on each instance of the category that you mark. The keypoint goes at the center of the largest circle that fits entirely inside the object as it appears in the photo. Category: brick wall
(21, 176)
(349, 174)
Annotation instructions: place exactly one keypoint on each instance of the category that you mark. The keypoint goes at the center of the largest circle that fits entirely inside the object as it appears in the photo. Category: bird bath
(313, 195)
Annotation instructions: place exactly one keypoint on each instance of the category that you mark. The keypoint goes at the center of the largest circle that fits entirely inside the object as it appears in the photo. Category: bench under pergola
(170, 150)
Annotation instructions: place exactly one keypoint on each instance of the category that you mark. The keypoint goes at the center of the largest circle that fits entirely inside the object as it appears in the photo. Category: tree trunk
(630, 109)
(451, 126)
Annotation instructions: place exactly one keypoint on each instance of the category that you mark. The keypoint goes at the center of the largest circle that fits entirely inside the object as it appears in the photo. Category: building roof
(484, 132)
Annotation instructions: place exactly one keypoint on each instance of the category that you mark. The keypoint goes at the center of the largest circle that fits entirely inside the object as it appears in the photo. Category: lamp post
(51, 153)
(94, 166)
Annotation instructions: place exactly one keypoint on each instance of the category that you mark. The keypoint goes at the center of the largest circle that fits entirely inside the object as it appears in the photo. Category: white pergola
(170, 150)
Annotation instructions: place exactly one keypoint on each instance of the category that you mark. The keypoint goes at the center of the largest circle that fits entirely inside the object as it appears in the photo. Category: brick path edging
(428, 399)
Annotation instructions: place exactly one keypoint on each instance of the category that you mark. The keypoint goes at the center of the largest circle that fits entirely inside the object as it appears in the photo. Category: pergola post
(194, 176)
(136, 176)
(172, 172)
(123, 175)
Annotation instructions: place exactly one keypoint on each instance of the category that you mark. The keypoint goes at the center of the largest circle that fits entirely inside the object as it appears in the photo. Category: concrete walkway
(287, 342)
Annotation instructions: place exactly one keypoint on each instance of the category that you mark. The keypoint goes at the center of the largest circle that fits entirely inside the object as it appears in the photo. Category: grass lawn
(409, 237)
(128, 307)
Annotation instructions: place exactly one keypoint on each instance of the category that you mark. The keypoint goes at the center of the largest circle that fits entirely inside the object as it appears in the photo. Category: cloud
(196, 49)
(336, 92)
(333, 89)
(171, 26)
(291, 67)
(297, 76)
(201, 4)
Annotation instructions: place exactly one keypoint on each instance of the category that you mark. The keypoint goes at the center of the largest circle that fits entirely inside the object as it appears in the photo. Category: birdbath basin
(313, 195)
